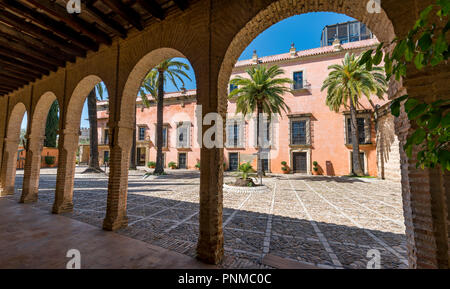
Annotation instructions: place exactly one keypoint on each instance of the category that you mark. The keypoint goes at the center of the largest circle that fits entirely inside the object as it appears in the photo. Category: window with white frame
(363, 124)
(141, 135)
(299, 130)
(235, 133)
(298, 79)
(165, 132)
(183, 135)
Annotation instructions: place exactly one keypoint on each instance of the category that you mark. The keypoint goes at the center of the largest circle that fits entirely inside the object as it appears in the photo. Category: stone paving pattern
(331, 222)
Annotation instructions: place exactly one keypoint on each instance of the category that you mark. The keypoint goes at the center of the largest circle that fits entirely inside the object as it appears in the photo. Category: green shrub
(151, 164)
(284, 163)
(315, 163)
(197, 165)
(172, 165)
(245, 169)
(49, 160)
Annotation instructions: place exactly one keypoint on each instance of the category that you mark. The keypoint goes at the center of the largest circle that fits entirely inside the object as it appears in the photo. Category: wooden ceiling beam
(54, 40)
(25, 58)
(31, 55)
(11, 81)
(28, 77)
(72, 20)
(16, 77)
(125, 12)
(104, 19)
(153, 8)
(22, 65)
(26, 40)
(182, 4)
(57, 27)
(19, 71)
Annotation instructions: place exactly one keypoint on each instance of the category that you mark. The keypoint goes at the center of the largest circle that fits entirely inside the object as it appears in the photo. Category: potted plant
(172, 165)
(315, 168)
(49, 160)
(197, 165)
(284, 167)
(151, 164)
(243, 179)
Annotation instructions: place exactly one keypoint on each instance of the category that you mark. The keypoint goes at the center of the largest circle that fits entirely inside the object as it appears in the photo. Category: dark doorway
(233, 160)
(361, 156)
(299, 162)
(182, 160)
(141, 156)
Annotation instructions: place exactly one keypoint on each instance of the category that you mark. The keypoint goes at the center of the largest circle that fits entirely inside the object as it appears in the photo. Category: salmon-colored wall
(327, 128)
(46, 151)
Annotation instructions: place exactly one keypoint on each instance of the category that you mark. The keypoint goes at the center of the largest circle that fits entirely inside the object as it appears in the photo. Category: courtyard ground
(330, 222)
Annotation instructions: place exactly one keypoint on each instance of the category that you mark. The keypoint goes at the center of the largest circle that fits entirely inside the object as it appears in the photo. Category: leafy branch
(425, 45)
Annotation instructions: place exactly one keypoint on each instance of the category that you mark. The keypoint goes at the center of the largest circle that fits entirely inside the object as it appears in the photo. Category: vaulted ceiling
(39, 36)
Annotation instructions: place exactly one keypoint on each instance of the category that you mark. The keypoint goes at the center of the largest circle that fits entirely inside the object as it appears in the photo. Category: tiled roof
(309, 52)
(189, 92)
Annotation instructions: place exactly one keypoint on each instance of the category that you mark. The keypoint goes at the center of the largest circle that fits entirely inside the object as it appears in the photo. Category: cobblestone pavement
(330, 222)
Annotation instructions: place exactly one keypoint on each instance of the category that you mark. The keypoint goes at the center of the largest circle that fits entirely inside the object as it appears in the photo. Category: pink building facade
(309, 133)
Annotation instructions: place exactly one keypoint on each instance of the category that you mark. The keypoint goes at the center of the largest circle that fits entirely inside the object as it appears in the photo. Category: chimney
(292, 51)
(255, 57)
(337, 45)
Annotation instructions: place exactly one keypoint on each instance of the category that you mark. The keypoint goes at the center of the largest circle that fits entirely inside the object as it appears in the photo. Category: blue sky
(302, 30)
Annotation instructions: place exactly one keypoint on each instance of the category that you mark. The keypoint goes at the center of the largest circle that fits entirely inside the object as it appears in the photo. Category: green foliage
(315, 163)
(245, 169)
(52, 125)
(173, 71)
(425, 45)
(283, 163)
(49, 160)
(197, 165)
(151, 164)
(349, 81)
(172, 165)
(264, 88)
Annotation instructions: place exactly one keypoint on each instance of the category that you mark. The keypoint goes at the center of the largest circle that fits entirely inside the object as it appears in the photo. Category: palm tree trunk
(94, 165)
(356, 160)
(259, 141)
(133, 145)
(159, 169)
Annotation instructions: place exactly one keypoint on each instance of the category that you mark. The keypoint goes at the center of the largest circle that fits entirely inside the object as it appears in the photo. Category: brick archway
(121, 128)
(11, 143)
(35, 139)
(68, 143)
(378, 23)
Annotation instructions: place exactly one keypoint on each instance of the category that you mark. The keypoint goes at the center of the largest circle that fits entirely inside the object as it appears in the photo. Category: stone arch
(38, 120)
(40, 113)
(135, 78)
(9, 158)
(76, 101)
(68, 143)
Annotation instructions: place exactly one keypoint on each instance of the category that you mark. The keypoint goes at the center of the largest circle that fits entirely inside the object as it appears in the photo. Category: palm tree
(94, 165)
(346, 84)
(154, 83)
(263, 93)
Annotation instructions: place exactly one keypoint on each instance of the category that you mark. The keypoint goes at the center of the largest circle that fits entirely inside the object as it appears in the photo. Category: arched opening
(77, 187)
(324, 221)
(42, 150)
(13, 148)
(163, 206)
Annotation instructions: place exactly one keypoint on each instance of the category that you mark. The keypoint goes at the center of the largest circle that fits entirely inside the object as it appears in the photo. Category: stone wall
(388, 150)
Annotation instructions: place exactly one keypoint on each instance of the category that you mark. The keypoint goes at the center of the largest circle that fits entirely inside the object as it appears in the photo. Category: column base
(6, 192)
(208, 255)
(29, 199)
(63, 208)
(113, 224)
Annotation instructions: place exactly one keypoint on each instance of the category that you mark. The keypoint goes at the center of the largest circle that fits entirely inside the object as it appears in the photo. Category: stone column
(210, 242)
(116, 209)
(67, 147)
(9, 164)
(32, 170)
